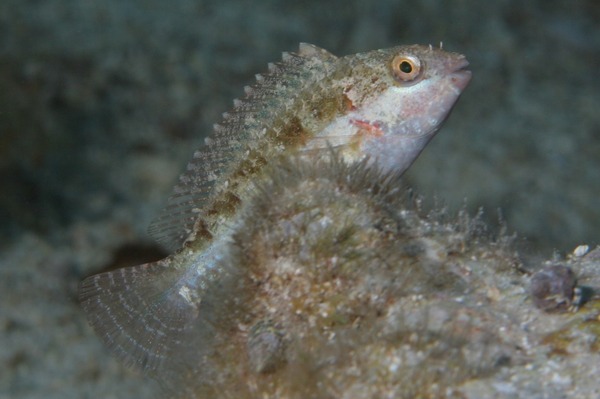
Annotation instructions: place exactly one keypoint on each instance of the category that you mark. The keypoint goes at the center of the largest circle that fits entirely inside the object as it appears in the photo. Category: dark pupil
(405, 67)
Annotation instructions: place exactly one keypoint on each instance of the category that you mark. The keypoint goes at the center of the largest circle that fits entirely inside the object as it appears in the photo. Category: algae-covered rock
(343, 286)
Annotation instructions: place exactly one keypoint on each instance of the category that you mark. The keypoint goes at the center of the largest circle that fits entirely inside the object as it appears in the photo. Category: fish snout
(460, 76)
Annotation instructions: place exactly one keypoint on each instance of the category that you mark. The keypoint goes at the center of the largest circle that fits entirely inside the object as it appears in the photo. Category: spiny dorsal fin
(240, 130)
(310, 50)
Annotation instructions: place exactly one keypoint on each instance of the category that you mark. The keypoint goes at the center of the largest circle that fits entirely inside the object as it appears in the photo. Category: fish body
(383, 105)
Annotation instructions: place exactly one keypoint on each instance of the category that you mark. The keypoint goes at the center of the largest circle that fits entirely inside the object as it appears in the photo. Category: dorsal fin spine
(240, 129)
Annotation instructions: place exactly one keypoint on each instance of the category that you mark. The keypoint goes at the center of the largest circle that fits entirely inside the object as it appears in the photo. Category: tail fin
(139, 312)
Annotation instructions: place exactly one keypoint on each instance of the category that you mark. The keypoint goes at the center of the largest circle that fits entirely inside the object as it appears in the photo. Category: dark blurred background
(102, 103)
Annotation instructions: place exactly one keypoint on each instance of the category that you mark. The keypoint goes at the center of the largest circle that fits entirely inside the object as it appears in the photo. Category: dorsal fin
(240, 131)
(310, 50)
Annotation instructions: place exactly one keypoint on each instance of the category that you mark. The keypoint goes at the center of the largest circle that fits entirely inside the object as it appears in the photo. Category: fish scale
(383, 105)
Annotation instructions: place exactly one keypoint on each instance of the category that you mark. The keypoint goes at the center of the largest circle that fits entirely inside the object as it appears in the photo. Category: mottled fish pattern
(384, 105)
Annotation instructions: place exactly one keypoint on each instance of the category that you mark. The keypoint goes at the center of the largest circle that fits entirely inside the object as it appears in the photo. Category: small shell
(553, 289)
(581, 250)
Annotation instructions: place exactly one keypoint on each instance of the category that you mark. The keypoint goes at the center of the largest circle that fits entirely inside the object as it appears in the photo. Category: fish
(381, 107)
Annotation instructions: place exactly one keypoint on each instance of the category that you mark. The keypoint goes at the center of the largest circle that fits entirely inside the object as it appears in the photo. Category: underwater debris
(554, 289)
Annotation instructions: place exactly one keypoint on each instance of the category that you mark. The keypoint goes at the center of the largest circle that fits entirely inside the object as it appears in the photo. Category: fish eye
(406, 68)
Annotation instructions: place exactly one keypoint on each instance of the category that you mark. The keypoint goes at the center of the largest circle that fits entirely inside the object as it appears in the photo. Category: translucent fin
(139, 312)
(241, 130)
(310, 50)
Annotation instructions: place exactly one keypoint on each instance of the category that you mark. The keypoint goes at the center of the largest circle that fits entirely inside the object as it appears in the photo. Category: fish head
(405, 95)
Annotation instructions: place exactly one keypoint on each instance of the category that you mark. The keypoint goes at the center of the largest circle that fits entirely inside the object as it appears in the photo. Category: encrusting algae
(303, 268)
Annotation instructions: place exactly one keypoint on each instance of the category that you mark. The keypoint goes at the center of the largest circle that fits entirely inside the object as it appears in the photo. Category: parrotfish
(381, 106)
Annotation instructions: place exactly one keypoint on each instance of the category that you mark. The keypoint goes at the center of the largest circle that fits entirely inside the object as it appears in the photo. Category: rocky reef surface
(342, 285)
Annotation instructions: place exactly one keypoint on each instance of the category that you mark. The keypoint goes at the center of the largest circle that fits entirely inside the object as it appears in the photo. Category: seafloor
(103, 103)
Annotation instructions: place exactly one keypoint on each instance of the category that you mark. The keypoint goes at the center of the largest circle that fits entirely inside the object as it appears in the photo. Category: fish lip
(460, 75)
(460, 64)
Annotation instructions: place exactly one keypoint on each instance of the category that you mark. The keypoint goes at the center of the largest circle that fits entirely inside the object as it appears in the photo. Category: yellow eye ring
(406, 68)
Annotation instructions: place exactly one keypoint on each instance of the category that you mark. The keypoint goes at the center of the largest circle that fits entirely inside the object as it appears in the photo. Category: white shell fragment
(581, 250)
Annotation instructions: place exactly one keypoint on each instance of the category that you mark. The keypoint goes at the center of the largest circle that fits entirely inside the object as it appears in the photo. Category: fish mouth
(460, 76)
